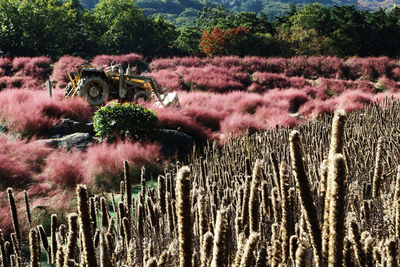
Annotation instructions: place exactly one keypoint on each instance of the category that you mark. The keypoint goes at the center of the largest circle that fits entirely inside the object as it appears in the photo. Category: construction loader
(112, 82)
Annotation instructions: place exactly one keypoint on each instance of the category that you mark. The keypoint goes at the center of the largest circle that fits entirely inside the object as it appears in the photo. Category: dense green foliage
(124, 120)
(121, 26)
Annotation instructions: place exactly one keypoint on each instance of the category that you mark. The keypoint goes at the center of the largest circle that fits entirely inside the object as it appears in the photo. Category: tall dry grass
(282, 198)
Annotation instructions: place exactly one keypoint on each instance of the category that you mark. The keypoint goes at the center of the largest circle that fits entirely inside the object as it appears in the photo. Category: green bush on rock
(125, 121)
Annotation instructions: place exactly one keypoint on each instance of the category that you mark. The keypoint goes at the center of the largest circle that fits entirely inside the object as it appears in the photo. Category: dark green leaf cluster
(125, 121)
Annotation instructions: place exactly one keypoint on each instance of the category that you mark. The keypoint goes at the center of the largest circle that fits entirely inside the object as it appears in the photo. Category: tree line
(57, 27)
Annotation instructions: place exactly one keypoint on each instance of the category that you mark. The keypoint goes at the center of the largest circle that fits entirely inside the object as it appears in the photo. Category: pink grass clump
(249, 103)
(164, 63)
(107, 159)
(354, 100)
(65, 169)
(238, 123)
(37, 67)
(65, 63)
(289, 100)
(168, 79)
(370, 68)
(34, 111)
(20, 161)
(5, 66)
(386, 84)
(274, 117)
(273, 80)
(209, 118)
(128, 59)
(212, 78)
(174, 119)
(25, 82)
(314, 108)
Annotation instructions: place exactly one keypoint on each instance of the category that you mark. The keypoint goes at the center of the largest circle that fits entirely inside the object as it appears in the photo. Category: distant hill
(184, 12)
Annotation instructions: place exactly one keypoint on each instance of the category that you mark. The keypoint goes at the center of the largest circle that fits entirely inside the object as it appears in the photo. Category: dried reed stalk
(306, 199)
(88, 256)
(184, 217)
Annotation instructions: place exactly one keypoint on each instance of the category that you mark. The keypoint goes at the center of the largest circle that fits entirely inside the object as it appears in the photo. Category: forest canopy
(55, 28)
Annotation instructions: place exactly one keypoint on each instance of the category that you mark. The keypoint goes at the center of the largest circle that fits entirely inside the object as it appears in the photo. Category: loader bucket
(168, 100)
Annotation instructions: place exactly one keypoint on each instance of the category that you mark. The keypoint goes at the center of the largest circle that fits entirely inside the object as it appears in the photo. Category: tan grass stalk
(337, 178)
(17, 251)
(265, 198)
(240, 249)
(285, 204)
(355, 239)
(245, 206)
(4, 257)
(92, 212)
(104, 213)
(202, 213)
(391, 253)
(161, 188)
(127, 231)
(293, 248)
(377, 178)
(184, 216)
(152, 262)
(261, 260)
(248, 258)
(104, 252)
(337, 134)
(53, 231)
(219, 258)
(368, 249)
(72, 236)
(122, 191)
(336, 147)
(88, 256)
(127, 180)
(276, 207)
(348, 255)
(27, 209)
(254, 201)
(14, 214)
(96, 238)
(34, 249)
(306, 199)
(164, 259)
(301, 255)
(275, 170)
(60, 256)
(44, 240)
(396, 205)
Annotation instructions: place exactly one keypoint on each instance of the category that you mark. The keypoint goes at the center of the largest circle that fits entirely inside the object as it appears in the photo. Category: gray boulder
(76, 140)
(67, 126)
(174, 142)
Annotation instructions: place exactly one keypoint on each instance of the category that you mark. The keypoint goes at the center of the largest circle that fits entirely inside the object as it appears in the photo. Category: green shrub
(125, 121)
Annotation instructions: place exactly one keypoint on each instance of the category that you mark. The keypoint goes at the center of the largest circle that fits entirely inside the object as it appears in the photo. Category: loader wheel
(94, 89)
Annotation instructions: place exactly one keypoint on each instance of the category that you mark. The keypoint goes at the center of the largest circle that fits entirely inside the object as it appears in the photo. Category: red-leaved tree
(221, 42)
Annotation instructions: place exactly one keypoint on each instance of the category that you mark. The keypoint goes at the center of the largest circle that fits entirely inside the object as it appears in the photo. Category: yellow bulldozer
(112, 82)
